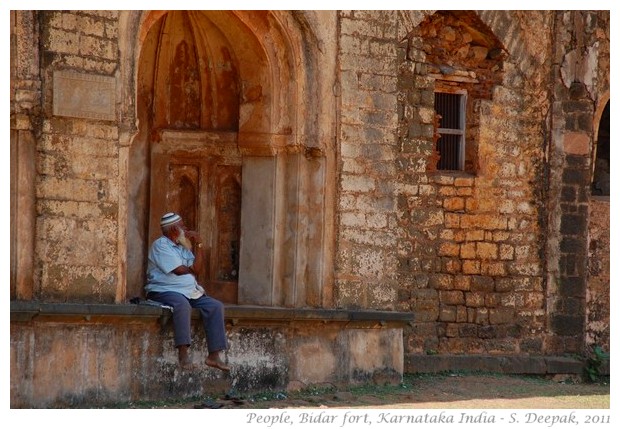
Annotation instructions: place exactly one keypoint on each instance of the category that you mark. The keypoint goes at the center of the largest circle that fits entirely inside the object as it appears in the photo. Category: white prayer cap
(169, 219)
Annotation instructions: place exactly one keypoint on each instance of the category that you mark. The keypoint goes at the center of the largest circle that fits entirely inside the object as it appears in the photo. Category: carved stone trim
(199, 143)
(264, 144)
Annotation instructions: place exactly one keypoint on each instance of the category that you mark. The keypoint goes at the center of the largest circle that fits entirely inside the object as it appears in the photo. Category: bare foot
(184, 360)
(217, 363)
(187, 366)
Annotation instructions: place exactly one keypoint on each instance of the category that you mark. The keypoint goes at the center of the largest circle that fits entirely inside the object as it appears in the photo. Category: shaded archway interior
(190, 78)
(601, 179)
(216, 97)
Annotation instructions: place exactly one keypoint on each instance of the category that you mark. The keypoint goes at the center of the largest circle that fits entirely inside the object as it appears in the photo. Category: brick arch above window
(464, 60)
(461, 51)
(504, 24)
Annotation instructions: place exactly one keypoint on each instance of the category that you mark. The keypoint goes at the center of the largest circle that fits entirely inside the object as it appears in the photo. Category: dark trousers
(211, 311)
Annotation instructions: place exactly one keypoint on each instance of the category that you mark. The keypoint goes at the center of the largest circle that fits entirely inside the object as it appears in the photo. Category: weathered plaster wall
(73, 362)
(25, 98)
(598, 297)
(279, 80)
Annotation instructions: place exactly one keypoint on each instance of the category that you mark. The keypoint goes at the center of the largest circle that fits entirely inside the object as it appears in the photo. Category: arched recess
(601, 150)
(226, 114)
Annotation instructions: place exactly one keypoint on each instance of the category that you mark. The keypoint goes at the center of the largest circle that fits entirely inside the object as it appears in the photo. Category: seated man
(171, 280)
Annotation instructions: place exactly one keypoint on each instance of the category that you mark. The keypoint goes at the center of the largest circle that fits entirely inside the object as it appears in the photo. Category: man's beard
(184, 241)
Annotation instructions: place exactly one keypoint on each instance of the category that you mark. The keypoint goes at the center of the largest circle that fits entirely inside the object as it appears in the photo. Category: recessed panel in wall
(81, 95)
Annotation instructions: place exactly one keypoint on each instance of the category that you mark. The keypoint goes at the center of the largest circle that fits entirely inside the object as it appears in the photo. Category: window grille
(451, 143)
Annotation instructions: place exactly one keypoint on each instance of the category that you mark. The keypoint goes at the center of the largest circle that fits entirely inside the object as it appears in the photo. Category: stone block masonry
(474, 238)
(575, 98)
(368, 147)
(77, 184)
(472, 241)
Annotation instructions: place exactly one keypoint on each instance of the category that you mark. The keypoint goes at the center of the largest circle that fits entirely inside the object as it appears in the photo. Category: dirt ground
(446, 391)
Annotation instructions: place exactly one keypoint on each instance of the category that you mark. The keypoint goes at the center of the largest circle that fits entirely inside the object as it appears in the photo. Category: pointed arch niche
(226, 113)
(601, 160)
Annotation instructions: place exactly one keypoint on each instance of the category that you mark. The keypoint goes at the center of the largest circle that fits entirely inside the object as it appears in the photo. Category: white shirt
(164, 256)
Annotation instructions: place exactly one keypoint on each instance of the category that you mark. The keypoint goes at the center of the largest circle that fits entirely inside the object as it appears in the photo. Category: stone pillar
(25, 106)
(572, 133)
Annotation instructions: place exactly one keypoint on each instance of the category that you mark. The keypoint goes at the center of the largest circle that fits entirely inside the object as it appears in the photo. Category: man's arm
(198, 252)
(182, 269)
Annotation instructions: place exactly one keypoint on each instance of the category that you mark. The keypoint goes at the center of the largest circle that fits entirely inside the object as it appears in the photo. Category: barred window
(451, 143)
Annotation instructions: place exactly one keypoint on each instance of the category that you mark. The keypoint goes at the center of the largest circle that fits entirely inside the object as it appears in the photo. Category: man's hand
(197, 267)
(182, 269)
(194, 237)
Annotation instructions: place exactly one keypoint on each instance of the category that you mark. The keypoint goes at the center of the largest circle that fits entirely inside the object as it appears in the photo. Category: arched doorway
(195, 89)
(224, 138)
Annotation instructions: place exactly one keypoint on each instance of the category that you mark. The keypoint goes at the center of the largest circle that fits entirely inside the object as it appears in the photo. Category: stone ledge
(537, 365)
(24, 311)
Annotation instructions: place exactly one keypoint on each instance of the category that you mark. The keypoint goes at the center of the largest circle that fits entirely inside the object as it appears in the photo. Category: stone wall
(462, 252)
(77, 167)
(578, 88)
(468, 253)
(509, 257)
(477, 268)
(598, 305)
(25, 98)
(366, 262)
